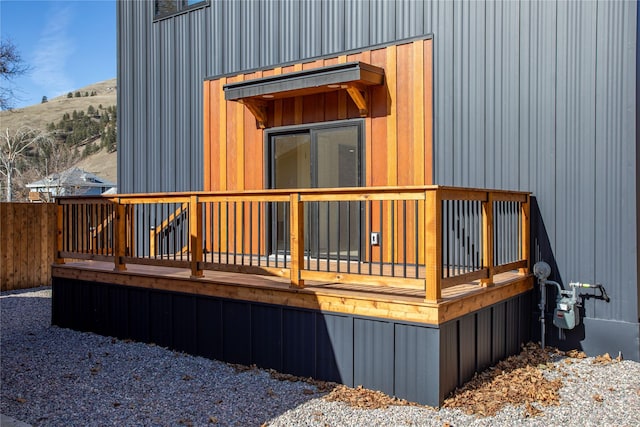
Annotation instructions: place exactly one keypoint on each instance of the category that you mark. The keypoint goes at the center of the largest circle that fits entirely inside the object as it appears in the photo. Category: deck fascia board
(273, 290)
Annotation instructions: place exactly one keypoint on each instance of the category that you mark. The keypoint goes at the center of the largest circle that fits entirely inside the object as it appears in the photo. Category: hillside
(39, 116)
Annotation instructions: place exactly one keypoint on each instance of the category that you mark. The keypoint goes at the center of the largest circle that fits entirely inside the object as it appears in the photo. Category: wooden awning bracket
(359, 97)
(258, 109)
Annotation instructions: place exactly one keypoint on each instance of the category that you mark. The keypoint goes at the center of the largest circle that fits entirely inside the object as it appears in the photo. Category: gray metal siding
(373, 354)
(418, 362)
(537, 96)
(334, 357)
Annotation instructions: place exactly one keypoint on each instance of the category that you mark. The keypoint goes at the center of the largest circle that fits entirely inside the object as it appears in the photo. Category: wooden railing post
(525, 229)
(487, 239)
(120, 237)
(59, 234)
(296, 239)
(195, 230)
(433, 245)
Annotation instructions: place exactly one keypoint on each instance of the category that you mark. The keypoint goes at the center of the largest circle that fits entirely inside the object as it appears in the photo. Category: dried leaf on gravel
(363, 398)
(21, 400)
(597, 398)
(602, 359)
(575, 354)
(516, 380)
(531, 411)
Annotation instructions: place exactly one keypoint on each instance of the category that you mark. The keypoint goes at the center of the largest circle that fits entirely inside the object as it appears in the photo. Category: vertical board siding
(334, 349)
(421, 363)
(616, 168)
(27, 244)
(266, 336)
(536, 96)
(416, 361)
(373, 354)
(398, 152)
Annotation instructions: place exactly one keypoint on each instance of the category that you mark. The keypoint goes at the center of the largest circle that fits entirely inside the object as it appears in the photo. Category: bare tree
(51, 158)
(11, 66)
(14, 149)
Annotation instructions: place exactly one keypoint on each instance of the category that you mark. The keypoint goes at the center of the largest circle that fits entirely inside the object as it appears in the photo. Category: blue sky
(68, 44)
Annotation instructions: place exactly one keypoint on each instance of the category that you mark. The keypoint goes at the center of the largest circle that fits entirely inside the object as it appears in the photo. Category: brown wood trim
(157, 262)
(364, 279)
(400, 195)
(448, 282)
(509, 267)
(247, 269)
(525, 232)
(85, 256)
(484, 297)
(499, 196)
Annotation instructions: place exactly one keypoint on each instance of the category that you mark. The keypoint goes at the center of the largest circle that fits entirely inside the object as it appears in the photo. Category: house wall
(537, 96)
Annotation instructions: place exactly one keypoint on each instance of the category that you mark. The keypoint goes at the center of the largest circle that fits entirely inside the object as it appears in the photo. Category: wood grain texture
(405, 304)
(28, 238)
(398, 129)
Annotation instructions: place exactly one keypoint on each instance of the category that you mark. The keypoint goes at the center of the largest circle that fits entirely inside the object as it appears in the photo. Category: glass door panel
(337, 165)
(292, 169)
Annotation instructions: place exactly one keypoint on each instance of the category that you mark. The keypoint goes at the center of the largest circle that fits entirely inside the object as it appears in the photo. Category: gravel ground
(55, 376)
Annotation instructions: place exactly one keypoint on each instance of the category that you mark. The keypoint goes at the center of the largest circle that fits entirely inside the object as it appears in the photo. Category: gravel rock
(52, 376)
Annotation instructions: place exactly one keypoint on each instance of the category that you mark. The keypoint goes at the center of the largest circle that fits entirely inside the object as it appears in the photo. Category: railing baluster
(338, 226)
(259, 234)
(382, 239)
(416, 237)
(348, 237)
(404, 238)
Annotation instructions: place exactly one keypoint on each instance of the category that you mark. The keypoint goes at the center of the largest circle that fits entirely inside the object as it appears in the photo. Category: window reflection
(170, 7)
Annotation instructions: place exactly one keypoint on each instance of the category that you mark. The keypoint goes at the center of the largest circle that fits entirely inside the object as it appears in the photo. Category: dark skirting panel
(417, 362)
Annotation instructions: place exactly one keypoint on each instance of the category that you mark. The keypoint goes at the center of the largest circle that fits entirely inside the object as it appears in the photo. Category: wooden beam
(359, 98)
(525, 229)
(297, 240)
(59, 236)
(120, 239)
(433, 245)
(487, 238)
(195, 231)
(258, 109)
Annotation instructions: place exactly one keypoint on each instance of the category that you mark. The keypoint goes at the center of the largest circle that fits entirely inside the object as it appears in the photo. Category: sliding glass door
(328, 156)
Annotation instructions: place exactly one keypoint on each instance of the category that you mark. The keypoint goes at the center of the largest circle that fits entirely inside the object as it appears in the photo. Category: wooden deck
(445, 291)
(347, 298)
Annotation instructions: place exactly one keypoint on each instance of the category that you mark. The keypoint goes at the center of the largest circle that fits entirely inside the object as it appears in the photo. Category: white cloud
(54, 49)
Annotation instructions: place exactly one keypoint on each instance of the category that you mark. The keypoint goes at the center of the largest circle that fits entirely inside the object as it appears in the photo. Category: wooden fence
(27, 243)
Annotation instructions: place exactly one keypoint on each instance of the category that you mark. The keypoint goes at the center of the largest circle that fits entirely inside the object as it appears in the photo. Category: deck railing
(424, 238)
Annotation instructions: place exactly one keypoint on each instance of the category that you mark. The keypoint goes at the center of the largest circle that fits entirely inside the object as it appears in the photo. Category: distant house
(71, 182)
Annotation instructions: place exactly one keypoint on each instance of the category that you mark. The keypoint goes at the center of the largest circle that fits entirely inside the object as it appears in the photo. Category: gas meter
(566, 314)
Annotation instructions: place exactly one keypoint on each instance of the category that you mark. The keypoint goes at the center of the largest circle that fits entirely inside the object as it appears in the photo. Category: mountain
(38, 116)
